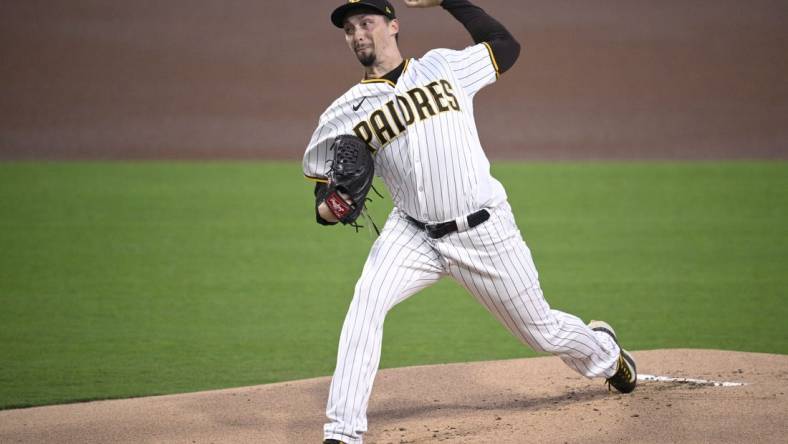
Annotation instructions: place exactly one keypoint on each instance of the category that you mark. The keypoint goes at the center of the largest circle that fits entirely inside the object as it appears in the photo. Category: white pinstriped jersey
(427, 149)
(428, 153)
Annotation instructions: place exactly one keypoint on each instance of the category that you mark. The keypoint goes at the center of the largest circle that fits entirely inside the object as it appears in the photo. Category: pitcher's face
(368, 35)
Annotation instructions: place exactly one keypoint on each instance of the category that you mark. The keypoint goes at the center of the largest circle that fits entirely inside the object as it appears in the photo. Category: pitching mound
(534, 400)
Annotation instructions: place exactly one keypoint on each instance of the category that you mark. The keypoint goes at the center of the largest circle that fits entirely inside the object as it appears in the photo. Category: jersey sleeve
(317, 155)
(474, 67)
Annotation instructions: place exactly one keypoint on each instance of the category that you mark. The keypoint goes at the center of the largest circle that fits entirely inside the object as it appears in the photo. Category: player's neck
(383, 66)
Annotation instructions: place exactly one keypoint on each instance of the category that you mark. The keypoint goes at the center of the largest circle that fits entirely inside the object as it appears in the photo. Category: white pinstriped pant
(493, 263)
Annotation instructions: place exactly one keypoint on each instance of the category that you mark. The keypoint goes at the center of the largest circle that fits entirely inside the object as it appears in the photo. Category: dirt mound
(534, 400)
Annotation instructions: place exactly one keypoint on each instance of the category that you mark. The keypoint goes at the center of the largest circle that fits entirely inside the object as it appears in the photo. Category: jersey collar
(392, 76)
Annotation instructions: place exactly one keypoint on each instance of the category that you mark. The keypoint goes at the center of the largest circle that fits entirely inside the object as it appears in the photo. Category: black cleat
(332, 441)
(626, 377)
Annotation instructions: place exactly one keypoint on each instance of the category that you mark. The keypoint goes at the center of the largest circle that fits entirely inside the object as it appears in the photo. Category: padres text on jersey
(420, 103)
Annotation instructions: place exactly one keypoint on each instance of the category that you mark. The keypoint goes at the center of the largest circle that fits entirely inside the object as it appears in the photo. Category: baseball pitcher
(411, 122)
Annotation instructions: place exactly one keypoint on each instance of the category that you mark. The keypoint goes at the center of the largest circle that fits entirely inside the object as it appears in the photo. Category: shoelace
(625, 367)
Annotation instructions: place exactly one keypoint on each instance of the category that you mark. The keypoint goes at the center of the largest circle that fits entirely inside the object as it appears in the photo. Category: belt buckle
(433, 231)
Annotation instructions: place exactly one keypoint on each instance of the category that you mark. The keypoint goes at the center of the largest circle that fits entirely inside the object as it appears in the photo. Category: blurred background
(123, 279)
(244, 79)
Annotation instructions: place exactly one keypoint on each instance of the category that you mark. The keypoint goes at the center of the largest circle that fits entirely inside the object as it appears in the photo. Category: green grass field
(128, 279)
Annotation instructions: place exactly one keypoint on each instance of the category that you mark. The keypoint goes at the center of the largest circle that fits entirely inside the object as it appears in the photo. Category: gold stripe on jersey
(366, 81)
(492, 57)
(405, 68)
(395, 116)
(315, 179)
(382, 80)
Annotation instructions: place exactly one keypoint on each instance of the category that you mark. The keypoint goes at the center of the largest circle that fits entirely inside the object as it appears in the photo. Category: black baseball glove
(349, 179)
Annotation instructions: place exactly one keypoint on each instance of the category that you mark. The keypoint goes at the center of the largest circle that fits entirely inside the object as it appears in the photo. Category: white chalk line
(654, 378)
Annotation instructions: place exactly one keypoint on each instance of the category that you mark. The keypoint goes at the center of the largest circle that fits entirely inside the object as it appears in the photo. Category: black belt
(437, 231)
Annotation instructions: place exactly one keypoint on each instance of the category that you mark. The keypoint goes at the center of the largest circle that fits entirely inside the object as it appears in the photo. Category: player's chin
(366, 58)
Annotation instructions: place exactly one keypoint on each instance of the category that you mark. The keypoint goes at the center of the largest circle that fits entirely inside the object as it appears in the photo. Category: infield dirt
(514, 401)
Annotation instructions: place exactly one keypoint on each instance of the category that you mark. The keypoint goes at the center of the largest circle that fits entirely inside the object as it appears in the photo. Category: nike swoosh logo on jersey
(356, 107)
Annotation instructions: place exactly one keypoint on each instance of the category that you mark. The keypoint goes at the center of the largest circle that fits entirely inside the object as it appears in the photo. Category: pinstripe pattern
(494, 264)
(436, 169)
(400, 263)
(429, 156)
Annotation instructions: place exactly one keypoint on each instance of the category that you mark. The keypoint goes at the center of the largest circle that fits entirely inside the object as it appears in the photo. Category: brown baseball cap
(381, 6)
